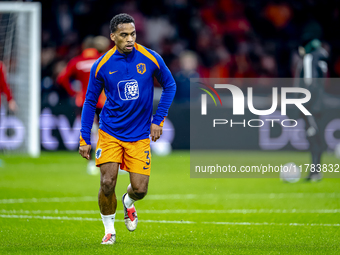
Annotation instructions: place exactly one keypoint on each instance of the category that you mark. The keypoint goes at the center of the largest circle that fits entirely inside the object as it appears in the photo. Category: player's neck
(124, 53)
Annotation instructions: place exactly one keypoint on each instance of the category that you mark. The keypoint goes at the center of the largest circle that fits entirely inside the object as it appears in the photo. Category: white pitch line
(48, 200)
(173, 222)
(75, 212)
(274, 224)
(244, 196)
(48, 217)
(239, 211)
(84, 219)
(177, 197)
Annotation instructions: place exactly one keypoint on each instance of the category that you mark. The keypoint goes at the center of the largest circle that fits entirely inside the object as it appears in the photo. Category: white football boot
(130, 216)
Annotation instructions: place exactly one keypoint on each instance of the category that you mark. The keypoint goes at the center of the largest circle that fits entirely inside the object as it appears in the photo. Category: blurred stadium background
(206, 39)
(197, 39)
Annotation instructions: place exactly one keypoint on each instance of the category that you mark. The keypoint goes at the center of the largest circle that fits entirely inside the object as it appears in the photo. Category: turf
(48, 206)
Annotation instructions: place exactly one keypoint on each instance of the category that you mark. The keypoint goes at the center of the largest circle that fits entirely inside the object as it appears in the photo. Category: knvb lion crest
(131, 90)
(141, 68)
(98, 153)
(128, 89)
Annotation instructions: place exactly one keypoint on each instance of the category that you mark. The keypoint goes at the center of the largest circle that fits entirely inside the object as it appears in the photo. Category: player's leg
(109, 155)
(136, 190)
(315, 147)
(107, 199)
(138, 186)
(137, 159)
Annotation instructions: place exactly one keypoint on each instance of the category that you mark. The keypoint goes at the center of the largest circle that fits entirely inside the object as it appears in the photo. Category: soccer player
(126, 74)
(313, 66)
(79, 69)
(4, 89)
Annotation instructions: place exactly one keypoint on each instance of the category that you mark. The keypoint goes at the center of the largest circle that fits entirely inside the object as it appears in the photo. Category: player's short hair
(120, 19)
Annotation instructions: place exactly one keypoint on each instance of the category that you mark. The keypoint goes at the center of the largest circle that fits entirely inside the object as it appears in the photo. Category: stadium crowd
(210, 39)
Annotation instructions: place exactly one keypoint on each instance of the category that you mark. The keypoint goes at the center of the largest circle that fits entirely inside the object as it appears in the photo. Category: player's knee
(140, 192)
(108, 186)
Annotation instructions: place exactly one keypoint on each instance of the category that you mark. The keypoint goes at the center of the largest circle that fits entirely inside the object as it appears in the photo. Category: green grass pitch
(49, 206)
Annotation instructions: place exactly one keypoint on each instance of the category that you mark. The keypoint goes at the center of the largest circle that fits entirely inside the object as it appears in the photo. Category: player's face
(124, 37)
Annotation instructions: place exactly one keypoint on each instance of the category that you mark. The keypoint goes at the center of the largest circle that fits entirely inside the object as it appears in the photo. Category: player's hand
(12, 105)
(155, 132)
(84, 151)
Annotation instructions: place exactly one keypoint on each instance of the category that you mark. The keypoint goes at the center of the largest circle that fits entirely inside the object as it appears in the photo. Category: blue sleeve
(164, 77)
(95, 87)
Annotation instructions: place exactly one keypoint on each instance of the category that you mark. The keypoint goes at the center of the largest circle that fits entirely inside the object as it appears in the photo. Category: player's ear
(112, 36)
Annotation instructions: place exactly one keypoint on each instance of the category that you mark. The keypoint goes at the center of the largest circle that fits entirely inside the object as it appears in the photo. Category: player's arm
(95, 87)
(65, 75)
(164, 77)
(6, 90)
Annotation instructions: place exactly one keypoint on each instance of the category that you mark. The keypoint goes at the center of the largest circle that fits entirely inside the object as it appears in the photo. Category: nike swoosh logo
(113, 72)
(145, 168)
